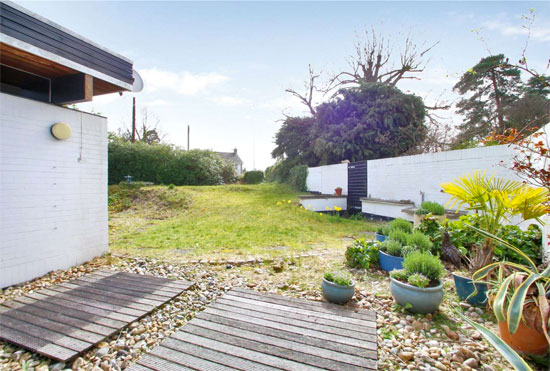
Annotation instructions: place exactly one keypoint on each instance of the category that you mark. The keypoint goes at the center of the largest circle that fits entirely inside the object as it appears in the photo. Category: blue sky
(222, 67)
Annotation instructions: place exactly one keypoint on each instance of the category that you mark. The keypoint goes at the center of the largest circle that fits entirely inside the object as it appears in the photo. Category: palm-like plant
(495, 200)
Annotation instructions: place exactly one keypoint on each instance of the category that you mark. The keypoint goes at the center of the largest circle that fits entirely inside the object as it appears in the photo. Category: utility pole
(134, 120)
(188, 130)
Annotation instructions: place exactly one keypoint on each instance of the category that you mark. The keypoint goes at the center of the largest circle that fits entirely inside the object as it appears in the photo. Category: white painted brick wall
(403, 178)
(53, 206)
(325, 179)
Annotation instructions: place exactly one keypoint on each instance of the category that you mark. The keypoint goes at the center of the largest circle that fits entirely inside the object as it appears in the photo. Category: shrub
(419, 240)
(528, 241)
(338, 279)
(406, 250)
(253, 177)
(399, 274)
(424, 263)
(392, 247)
(384, 230)
(421, 211)
(433, 207)
(398, 235)
(361, 254)
(401, 224)
(297, 177)
(165, 164)
(418, 280)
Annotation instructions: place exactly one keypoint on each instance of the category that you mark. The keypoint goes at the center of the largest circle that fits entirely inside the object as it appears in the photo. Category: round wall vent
(61, 131)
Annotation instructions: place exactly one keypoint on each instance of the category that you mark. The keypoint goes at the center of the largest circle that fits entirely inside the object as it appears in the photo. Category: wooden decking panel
(248, 330)
(67, 319)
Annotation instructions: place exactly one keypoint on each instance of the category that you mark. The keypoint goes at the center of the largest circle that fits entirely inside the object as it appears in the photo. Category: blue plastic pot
(389, 262)
(380, 237)
(465, 287)
(416, 299)
(336, 293)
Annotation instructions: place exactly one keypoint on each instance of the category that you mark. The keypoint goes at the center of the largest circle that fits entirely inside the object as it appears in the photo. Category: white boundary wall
(404, 178)
(53, 206)
(326, 179)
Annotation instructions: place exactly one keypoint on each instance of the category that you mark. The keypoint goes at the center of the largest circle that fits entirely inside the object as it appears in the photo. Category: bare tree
(373, 62)
(307, 97)
(149, 132)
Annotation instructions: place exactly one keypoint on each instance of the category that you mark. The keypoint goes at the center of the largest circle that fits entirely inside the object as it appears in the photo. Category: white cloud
(184, 83)
(538, 32)
(229, 101)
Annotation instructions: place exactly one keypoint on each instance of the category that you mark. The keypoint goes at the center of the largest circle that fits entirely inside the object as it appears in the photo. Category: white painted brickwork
(403, 178)
(326, 179)
(53, 206)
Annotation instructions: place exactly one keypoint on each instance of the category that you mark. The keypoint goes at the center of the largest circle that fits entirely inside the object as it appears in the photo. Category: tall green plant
(518, 287)
(495, 200)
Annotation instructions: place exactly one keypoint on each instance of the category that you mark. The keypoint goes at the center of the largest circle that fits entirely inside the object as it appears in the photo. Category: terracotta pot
(338, 191)
(524, 340)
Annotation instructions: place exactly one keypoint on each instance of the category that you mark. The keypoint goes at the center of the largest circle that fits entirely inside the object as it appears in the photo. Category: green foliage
(253, 177)
(487, 89)
(529, 242)
(398, 235)
(418, 280)
(431, 228)
(392, 247)
(288, 172)
(121, 195)
(164, 164)
(384, 230)
(424, 263)
(421, 211)
(401, 224)
(433, 207)
(338, 279)
(366, 122)
(171, 186)
(361, 254)
(420, 241)
(297, 177)
(399, 274)
(496, 99)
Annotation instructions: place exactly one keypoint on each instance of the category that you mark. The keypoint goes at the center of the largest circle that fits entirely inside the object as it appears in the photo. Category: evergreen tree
(488, 88)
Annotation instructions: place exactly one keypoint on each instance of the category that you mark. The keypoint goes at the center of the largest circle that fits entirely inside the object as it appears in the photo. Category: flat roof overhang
(31, 43)
(44, 67)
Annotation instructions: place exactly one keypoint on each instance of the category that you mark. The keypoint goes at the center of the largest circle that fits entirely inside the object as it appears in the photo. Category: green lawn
(222, 221)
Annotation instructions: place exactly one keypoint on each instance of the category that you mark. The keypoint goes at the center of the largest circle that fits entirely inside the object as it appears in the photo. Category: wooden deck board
(247, 330)
(67, 319)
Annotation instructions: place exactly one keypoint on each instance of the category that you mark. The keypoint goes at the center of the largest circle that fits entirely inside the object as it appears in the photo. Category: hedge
(165, 164)
(253, 177)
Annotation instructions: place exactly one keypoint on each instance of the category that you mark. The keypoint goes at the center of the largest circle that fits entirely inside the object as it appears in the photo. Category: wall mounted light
(61, 131)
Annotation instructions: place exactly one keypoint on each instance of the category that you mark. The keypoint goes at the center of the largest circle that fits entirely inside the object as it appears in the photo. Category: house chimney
(235, 151)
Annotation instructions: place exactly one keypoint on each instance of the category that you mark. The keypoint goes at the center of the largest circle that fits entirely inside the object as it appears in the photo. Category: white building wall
(53, 193)
(326, 179)
(404, 178)
(321, 203)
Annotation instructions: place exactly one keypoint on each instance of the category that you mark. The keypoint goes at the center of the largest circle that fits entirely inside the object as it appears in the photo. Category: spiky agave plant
(520, 290)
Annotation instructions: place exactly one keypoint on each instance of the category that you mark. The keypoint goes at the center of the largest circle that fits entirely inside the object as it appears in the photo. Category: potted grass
(495, 201)
(382, 232)
(519, 300)
(337, 289)
(433, 209)
(390, 255)
(418, 287)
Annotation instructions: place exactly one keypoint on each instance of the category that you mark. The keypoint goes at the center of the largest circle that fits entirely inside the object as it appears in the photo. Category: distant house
(53, 173)
(233, 158)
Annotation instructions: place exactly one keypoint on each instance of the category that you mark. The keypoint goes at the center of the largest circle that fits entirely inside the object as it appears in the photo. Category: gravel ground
(406, 341)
